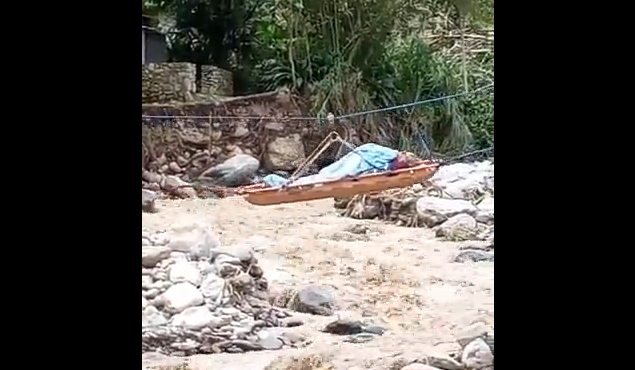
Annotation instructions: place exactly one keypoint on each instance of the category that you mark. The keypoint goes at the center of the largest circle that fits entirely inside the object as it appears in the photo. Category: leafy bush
(352, 56)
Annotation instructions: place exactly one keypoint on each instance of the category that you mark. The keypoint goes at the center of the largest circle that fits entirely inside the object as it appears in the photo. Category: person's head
(409, 159)
(406, 159)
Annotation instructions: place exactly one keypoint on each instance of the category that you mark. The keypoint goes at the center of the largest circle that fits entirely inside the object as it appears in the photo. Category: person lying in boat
(367, 158)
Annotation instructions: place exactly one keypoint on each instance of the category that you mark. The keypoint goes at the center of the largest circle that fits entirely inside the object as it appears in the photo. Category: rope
(460, 156)
(344, 116)
(334, 136)
(331, 138)
(291, 118)
(414, 104)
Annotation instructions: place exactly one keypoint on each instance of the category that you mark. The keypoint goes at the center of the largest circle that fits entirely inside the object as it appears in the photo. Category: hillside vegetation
(346, 56)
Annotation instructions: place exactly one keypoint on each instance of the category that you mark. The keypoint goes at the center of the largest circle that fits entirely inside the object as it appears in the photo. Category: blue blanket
(366, 158)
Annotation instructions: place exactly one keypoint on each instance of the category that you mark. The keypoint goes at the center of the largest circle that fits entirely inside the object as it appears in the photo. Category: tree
(348, 56)
(215, 32)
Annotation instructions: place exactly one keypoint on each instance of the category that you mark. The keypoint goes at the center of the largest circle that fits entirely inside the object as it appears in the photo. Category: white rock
(181, 296)
(185, 271)
(150, 256)
(220, 321)
(146, 282)
(470, 333)
(225, 259)
(176, 256)
(454, 172)
(462, 188)
(144, 303)
(244, 252)
(147, 200)
(151, 316)
(178, 186)
(205, 267)
(150, 294)
(194, 318)
(235, 171)
(486, 167)
(212, 286)
(447, 207)
(439, 359)
(477, 355)
(459, 227)
(161, 285)
(195, 239)
(232, 312)
(485, 211)
(435, 210)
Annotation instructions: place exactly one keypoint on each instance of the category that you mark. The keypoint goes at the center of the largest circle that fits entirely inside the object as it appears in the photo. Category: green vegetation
(346, 56)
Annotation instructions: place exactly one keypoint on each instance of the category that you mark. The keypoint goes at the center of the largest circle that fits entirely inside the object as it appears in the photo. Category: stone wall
(215, 82)
(165, 82)
(260, 127)
(177, 82)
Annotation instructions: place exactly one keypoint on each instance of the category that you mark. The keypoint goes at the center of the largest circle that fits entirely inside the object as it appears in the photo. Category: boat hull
(343, 188)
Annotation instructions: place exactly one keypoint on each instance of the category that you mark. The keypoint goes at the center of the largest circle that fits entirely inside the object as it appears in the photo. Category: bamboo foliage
(347, 56)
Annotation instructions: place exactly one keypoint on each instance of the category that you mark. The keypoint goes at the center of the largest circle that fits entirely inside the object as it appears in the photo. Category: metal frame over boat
(262, 195)
(347, 187)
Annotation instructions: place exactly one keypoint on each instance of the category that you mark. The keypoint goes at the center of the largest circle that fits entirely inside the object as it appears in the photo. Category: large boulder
(284, 153)
(434, 211)
(236, 171)
(464, 180)
(459, 228)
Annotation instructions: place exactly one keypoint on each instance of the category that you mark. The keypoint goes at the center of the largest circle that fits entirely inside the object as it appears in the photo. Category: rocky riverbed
(457, 202)
(201, 297)
(300, 287)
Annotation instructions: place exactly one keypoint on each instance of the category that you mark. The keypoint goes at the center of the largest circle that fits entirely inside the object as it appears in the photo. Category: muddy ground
(402, 278)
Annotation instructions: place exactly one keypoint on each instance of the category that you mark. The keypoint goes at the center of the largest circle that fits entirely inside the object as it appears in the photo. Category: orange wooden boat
(347, 187)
